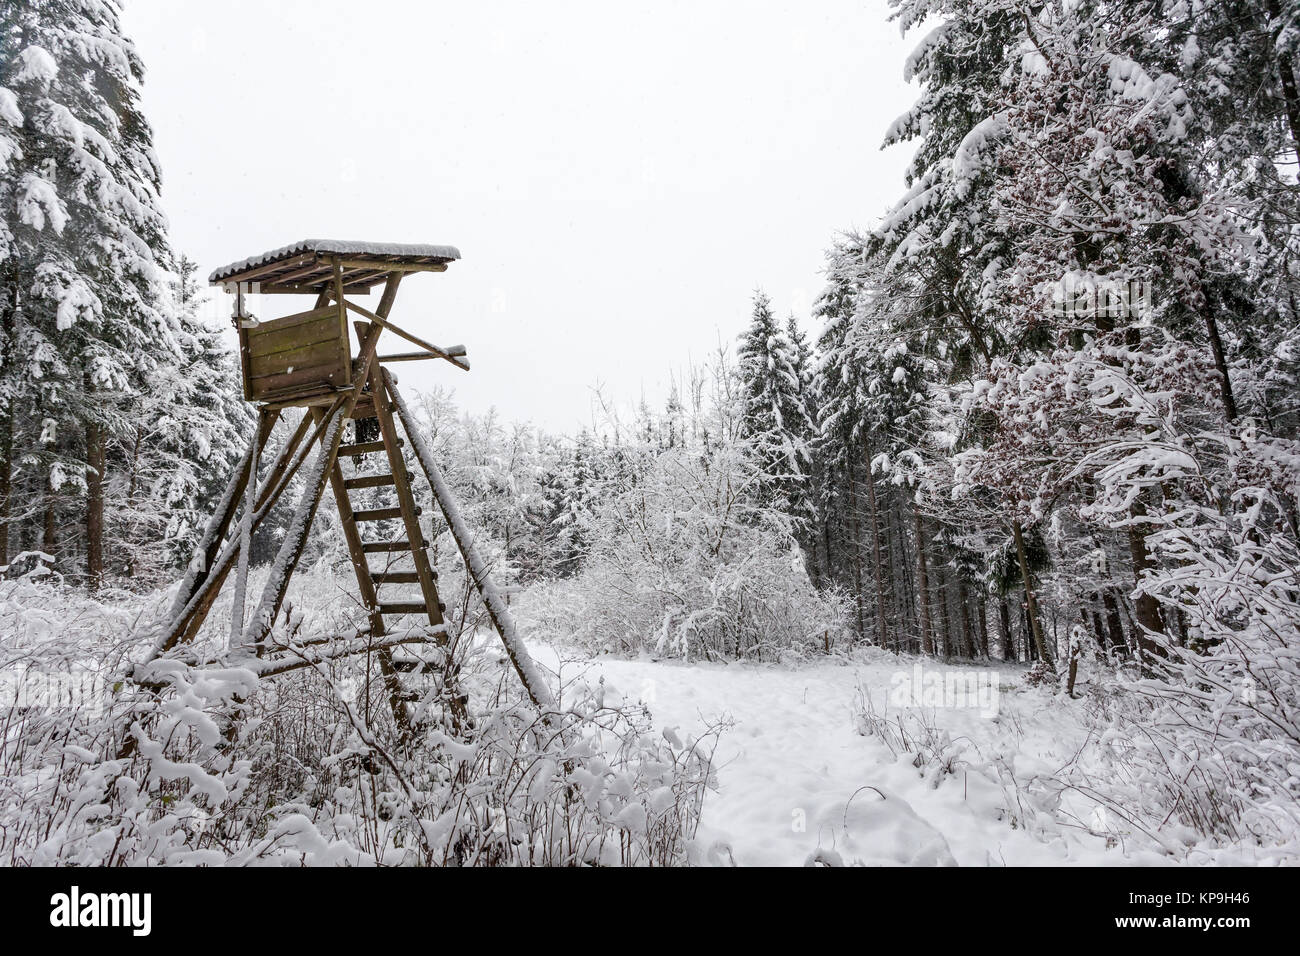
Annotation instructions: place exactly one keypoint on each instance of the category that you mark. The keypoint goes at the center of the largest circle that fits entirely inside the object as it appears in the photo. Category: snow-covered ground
(795, 775)
(820, 759)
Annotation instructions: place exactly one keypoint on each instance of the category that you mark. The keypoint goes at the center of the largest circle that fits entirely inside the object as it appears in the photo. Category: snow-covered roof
(307, 264)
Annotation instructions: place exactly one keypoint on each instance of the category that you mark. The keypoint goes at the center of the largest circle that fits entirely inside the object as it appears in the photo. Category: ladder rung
(369, 481)
(365, 448)
(404, 607)
(384, 547)
(397, 577)
(377, 514)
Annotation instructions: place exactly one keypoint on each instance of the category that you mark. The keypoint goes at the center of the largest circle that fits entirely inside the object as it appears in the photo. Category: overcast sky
(619, 177)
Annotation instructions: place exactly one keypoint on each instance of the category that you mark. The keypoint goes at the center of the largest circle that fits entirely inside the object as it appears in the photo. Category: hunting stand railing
(307, 361)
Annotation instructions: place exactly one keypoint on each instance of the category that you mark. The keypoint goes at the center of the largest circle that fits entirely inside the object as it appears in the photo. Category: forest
(1042, 422)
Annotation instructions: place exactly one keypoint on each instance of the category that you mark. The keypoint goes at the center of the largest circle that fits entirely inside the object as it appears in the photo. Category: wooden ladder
(371, 583)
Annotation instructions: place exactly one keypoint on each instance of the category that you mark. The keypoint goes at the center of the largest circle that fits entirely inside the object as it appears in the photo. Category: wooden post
(343, 342)
(219, 524)
(245, 546)
(189, 618)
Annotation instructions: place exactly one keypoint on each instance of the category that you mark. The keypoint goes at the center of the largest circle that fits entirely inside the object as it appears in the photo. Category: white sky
(619, 177)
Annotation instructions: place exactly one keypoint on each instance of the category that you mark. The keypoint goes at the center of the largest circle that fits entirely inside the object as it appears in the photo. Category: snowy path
(796, 777)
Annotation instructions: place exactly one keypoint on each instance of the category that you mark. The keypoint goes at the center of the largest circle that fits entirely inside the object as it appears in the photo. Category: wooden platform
(306, 358)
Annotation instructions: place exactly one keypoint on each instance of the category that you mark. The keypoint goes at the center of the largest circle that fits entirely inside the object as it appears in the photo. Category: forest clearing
(679, 521)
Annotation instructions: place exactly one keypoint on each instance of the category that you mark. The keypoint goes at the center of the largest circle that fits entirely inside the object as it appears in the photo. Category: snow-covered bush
(312, 773)
(1041, 674)
(906, 731)
(1210, 739)
(683, 563)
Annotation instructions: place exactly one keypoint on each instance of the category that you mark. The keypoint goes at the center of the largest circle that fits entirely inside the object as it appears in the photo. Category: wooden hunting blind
(307, 360)
(308, 354)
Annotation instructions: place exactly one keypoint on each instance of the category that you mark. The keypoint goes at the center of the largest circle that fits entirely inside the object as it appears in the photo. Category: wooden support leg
(502, 620)
(286, 559)
(219, 525)
(186, 623)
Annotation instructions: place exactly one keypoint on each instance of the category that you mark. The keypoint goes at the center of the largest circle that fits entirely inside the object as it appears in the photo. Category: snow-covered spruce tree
(950, 246)
(774, 412)
(1237, 62)
(87, 305)
(577, 484)
(936, 256)
(918, 265)
(174, 453)
(778, 420)
(1085, 160)
(886, 359)
(546, 524)
(806, 509)
(839, 387)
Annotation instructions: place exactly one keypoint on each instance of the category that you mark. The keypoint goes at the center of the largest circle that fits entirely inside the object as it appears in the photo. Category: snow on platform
(396, 251)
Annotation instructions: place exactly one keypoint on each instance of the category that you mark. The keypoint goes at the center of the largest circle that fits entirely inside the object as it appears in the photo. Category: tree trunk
(50, 525)
(6, 477)
(8, 320)
(1031, 649)
(811, 538)
(900, 576)
(945, 617)
(1093, 619)
(1221, 365)
(1287, 75)
(855, 551)
(1031, 603)
(826, 542)
(923, 583)
(94, 506)
(1004, 629)
(883, 633)
(1147, 608)
(982, 619)
(968, 642)
(1114, 625)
